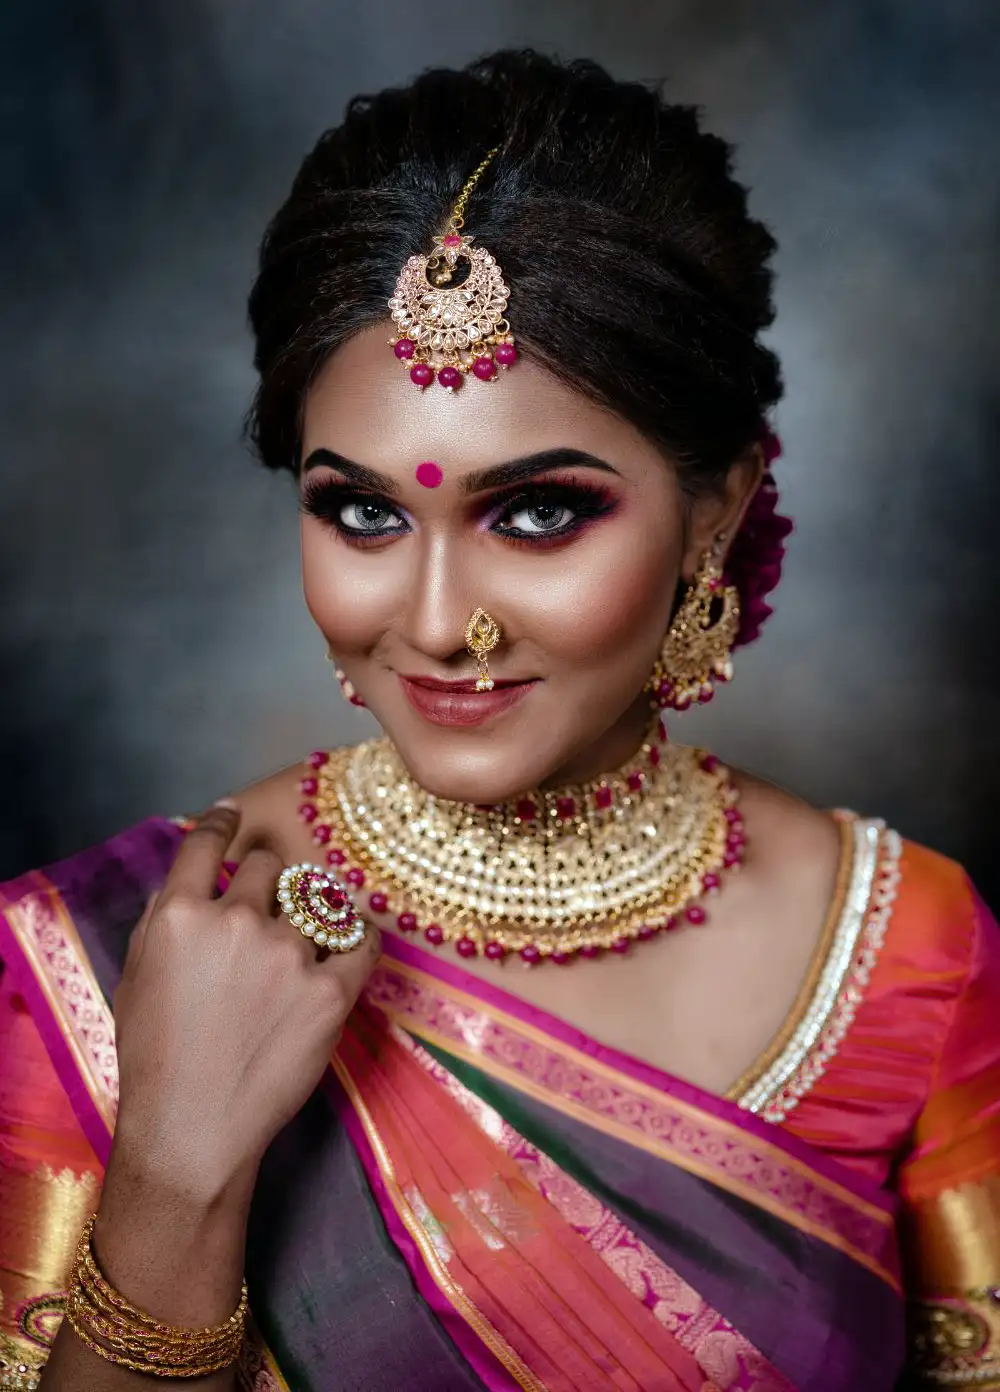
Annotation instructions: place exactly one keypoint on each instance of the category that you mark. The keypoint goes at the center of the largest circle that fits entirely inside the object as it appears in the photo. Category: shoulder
(791, 841)
(269, 813)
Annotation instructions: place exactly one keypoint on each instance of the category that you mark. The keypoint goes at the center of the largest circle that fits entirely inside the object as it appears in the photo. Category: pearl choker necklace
(550, 875)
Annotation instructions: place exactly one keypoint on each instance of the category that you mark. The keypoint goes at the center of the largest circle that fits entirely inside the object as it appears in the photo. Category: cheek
(610, 590)
(349, 597)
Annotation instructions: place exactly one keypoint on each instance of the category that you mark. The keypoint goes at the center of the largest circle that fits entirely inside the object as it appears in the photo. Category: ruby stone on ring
(320, 908)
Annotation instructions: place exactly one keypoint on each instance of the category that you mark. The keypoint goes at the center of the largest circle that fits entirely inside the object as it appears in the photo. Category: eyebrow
(519, 470)
(354, 473)
(498, 476)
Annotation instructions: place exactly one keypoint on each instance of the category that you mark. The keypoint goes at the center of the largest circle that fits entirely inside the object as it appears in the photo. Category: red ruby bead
(355, 877)
(465, 947)
(407, 923)
(453, 240)
(733, 815)
(735, 841)
(670, 924)
(530, 954)
(404, 349)
(647, 931)
(449, 377)
(335, 897)
(485, 369)
(654, 756)
(506, 354)
(335, 857)
(526, 810)
(421, 375)
(705, 695)
(710, 763)
(603, 796)
(434, 934)
(322, 835)
(307, 812)
(681, 702)
(309, 786)
(590, 950)
(620, 945)
(635, 781)
(560, 958)
(378, 902)
(566, 807)
(731, 858)
(495, 951)
(661, 730)
(695, 914)
(710, 882)
(318, 758)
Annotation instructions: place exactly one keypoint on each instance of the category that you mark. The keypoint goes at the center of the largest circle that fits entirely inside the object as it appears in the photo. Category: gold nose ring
(482, 634)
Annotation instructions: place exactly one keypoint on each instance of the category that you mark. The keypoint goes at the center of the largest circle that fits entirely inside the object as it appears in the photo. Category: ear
(716, 517)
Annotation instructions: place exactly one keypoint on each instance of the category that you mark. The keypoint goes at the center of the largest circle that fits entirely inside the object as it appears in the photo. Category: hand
(225, 1019)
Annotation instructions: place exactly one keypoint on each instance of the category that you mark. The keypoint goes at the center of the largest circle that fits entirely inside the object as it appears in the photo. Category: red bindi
(429, 474)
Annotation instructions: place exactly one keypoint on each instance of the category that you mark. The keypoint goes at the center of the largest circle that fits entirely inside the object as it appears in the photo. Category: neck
(614, 748)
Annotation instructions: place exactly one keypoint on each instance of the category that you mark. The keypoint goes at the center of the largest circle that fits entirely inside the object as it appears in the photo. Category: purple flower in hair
(758, 550)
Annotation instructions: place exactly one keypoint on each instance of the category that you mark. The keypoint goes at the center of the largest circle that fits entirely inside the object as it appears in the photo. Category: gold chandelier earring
(697, 651)
(482, 634)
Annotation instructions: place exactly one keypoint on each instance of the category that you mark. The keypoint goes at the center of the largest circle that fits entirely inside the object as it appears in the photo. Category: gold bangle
(121, 1333)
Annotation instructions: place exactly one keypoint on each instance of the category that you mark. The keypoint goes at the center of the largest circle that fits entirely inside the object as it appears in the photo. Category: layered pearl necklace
(550, 875)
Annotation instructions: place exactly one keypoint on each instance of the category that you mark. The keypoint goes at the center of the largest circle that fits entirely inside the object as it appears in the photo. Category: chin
(488, 763)
(475, 769)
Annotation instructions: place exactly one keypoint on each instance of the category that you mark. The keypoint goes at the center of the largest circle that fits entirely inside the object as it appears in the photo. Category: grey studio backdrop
(155, 649)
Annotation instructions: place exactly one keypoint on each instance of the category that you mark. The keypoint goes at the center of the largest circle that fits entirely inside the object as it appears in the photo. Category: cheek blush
(429, 474)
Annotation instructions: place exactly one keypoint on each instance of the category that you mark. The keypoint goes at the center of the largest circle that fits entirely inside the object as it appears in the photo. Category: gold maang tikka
(446, 326)
(482, 634)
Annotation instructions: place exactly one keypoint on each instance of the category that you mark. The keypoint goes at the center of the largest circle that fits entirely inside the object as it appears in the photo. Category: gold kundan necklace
(557, 873)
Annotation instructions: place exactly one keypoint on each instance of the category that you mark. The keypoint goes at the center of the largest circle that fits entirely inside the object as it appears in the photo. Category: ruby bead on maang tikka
(449, 307)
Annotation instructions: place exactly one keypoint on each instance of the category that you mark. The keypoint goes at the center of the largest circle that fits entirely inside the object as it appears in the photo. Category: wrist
(172, 1242)
(164, 1170)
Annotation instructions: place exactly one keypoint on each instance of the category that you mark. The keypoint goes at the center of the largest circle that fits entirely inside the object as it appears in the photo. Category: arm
(225, 1020)
(950, 1187)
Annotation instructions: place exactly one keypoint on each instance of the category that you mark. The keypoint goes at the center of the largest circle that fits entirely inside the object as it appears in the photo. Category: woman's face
(555, 516)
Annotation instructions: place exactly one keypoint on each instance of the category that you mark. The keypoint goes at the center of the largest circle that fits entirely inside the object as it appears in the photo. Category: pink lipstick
(458, 702)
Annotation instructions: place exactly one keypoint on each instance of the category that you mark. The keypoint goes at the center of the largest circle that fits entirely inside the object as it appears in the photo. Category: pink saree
(477, 1196)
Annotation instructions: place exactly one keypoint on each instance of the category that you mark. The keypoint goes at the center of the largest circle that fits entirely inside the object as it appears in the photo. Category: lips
(458, 702)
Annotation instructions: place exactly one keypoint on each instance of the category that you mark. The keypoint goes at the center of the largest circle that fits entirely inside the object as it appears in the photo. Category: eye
(371, 516)
(540, 518)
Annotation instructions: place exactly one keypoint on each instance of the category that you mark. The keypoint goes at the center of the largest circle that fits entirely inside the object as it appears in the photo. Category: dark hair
(636, 272)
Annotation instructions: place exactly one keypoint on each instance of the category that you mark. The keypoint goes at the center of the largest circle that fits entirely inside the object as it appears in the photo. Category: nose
(446, 586)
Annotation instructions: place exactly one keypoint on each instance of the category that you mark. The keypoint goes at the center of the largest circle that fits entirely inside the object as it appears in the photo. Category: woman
(754, 1111)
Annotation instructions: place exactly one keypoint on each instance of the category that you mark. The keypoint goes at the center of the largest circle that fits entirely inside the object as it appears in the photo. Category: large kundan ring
(320, 908)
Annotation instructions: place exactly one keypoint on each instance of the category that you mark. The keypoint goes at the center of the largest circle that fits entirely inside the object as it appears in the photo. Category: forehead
(364, 406)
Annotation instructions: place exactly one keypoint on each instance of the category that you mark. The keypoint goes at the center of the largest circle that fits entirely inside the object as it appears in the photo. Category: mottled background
(155, 650)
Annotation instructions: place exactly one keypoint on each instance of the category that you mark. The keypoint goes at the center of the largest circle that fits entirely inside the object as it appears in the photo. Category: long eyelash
(325, 501)
(585, 501)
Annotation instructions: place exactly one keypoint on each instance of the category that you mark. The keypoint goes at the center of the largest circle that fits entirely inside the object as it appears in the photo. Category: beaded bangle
(120, 1333)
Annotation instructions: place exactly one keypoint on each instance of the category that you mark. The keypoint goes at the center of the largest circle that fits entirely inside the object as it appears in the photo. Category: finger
(256, 881)
(355, 967)
(197, 865)
(138, 938)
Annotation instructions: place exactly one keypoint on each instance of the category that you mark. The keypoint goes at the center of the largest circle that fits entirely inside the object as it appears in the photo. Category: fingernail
(224, 802)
